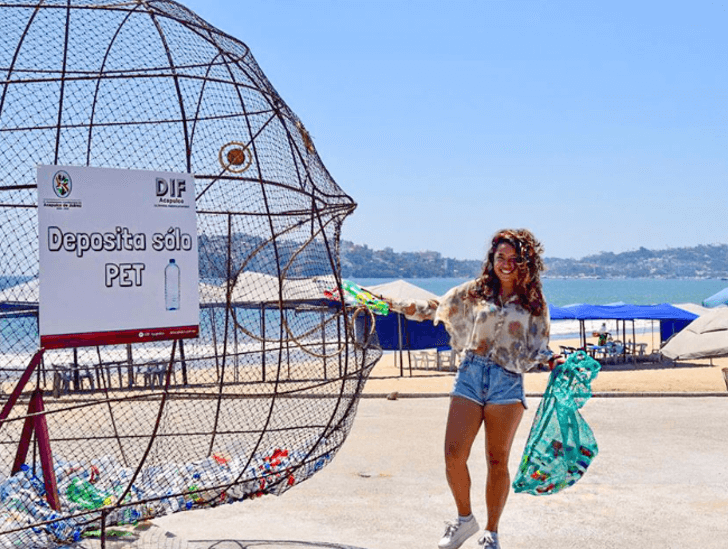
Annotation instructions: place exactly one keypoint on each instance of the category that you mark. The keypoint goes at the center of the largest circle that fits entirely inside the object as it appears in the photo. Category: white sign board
(118, 256)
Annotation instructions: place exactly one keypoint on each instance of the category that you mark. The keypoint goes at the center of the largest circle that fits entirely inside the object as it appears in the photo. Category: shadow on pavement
(275, 544)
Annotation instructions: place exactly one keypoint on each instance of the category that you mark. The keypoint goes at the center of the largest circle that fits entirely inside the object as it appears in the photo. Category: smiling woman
(506, 265)
(499, 325)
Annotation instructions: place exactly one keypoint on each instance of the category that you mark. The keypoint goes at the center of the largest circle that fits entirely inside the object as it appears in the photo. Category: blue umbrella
(718, 299)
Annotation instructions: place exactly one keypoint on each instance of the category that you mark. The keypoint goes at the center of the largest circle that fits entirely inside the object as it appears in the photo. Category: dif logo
(170, 189)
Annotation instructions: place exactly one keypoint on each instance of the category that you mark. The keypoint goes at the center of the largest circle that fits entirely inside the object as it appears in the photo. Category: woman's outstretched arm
(417, 309)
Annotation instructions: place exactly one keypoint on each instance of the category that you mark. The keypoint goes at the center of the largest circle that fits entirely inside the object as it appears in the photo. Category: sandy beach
(699, 376)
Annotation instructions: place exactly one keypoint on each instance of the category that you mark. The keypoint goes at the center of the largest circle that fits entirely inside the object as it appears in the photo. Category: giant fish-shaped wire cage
(266, 394)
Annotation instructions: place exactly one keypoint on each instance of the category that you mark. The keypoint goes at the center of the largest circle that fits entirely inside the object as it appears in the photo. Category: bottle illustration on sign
(171, 286)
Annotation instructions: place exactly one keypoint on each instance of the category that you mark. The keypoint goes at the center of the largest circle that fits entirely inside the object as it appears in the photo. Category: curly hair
(529, 264)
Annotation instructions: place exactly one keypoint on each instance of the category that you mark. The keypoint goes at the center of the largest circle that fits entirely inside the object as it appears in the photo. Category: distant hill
(707, 261)
(360, 261)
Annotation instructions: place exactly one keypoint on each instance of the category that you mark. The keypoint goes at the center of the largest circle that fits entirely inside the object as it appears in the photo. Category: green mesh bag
(561, 444)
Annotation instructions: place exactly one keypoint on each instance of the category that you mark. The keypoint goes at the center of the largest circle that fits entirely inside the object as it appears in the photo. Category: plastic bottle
(363, 297)
(85, 494)
(20, 538)
(34, 481)
(125, 515)
(65, 530)
(9, 487)
(171, 285)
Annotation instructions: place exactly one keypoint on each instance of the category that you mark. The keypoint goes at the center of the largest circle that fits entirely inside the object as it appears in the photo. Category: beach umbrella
(705, 337)
(693, 308)
(401, 289)
(721, 298)
(253, 289)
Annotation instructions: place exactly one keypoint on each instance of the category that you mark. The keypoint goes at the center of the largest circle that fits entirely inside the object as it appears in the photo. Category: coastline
(596, 291)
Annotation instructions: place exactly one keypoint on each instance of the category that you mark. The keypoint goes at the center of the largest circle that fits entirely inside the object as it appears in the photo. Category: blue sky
(601, 126)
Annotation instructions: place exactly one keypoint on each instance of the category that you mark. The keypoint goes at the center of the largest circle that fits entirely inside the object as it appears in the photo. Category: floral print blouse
(509, 335)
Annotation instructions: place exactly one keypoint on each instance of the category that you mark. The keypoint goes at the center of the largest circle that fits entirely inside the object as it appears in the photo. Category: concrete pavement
(660, 480)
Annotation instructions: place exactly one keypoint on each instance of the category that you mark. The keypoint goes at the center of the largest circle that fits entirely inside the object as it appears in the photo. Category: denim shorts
(481, 380)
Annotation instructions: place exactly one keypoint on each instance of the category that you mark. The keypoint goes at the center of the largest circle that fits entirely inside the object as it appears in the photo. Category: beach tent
(705, 337)
(396, 332)
(562, 313)
(721, 298)
(664, 311)
(672, 319)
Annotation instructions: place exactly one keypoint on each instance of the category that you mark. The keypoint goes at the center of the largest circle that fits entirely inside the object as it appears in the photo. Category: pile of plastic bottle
(86, 488)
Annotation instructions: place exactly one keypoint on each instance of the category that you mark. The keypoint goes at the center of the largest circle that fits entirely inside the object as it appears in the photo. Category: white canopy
(401, 289)
(693, 308)
(704, 337)
(253, 288)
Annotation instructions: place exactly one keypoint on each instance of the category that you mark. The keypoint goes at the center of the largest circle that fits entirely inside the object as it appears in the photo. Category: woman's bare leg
(501, 424)
(463, 424)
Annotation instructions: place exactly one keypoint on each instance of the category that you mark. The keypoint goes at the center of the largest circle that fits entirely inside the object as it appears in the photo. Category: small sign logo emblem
(62, 184)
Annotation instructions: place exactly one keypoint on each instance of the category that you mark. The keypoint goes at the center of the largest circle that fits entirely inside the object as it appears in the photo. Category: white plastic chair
(446, 359)
(615, 351)
(422, 359)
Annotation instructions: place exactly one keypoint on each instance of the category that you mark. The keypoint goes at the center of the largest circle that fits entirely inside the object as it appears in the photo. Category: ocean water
(560, 292)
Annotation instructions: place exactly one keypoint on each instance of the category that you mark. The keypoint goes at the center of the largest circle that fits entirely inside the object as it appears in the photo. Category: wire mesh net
(266, 394)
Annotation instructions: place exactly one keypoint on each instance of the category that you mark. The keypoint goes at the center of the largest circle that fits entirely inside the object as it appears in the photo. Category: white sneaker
(457, 532)
(489, 540)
